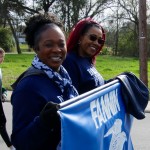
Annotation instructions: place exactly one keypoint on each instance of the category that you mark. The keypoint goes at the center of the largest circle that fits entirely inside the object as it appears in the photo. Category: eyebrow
(94, 35)
(51, 40)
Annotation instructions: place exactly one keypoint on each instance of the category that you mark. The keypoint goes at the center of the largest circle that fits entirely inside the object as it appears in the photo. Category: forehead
(95, 30)
(53, 32)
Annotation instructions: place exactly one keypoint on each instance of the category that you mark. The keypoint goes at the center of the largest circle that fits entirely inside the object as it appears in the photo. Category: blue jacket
(28, 99)
(84, 75)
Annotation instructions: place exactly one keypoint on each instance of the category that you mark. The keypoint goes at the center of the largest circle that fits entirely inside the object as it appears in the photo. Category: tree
(71, 12)
(6, 39)
(42, 4)
(143, 41)
(10, 9)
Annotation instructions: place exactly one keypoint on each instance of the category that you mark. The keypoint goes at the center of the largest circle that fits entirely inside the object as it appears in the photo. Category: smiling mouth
(56, 58)
(93, 48)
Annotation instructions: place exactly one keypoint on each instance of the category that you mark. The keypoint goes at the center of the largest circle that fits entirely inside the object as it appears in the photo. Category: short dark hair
(36, 22)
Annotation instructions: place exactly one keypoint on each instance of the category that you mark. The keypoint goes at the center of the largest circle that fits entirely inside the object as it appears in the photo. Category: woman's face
(90, 42)
(52, 47)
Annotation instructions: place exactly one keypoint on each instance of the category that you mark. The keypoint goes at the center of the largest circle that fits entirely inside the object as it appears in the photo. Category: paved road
(8, 112)
(140, 132)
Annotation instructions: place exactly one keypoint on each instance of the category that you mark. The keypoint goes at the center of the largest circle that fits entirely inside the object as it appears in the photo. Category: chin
(56, 68)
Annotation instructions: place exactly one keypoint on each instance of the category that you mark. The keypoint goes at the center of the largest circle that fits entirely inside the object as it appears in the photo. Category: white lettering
(93, 112)
(104, 108)
(101, 118)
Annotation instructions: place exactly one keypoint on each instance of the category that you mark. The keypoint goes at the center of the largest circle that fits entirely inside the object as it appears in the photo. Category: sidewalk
(147, 110)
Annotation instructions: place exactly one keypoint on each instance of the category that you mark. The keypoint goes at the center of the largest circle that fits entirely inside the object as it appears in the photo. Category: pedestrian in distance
(3, 97)
(84, 43)
(37, 91)
(4, 91)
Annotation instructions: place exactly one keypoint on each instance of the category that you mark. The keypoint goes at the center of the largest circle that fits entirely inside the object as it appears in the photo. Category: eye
(62, 45)
(48, 45)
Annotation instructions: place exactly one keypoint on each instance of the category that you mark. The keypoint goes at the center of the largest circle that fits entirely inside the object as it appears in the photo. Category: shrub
(107, 51)
(6, 39)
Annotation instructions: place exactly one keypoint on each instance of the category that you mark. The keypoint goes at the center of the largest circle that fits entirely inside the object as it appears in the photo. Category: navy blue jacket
(28, 99)
(84, 75)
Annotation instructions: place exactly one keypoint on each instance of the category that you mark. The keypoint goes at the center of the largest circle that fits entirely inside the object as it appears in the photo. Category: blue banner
(96, 121)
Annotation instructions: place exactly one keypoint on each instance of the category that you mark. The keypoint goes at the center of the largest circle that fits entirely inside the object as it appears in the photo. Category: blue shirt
(84, 75)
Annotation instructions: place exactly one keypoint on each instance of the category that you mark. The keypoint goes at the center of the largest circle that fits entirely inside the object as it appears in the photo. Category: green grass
(108, 66)
(13, 66)
(111, 66)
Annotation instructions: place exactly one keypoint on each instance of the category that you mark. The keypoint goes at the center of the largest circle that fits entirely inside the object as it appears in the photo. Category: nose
(96, 42)
(56, 48)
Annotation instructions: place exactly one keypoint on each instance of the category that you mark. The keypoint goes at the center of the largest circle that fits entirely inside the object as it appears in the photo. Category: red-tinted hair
(76, 32)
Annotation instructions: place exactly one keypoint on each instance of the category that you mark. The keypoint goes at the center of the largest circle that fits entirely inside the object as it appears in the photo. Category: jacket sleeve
(29, 133)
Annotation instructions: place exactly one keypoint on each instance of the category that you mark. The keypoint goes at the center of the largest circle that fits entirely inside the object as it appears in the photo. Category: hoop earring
(79, 42)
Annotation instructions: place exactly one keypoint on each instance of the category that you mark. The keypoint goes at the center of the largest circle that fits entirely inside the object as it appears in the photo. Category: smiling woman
(51, 50)
(84, 43)
(36, 124)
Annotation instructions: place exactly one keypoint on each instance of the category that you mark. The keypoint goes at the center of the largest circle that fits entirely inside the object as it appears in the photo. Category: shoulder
(37, 88)
(34, 84)
(35, 81)
(29, 72)
(71, 57)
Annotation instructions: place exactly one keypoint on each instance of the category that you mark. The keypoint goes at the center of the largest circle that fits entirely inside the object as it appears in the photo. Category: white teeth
(56, 58)
(93, 48)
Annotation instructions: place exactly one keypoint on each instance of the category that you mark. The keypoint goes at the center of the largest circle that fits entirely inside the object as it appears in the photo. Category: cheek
(84, 45)
(65, 51)
(42, 54)
(85, 40)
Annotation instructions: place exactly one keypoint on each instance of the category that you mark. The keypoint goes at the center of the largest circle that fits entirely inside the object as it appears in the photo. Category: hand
(49, 115)
(4, 97)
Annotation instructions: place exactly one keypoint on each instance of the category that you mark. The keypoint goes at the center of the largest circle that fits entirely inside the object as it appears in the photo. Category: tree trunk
(143, 42)
(14, 34)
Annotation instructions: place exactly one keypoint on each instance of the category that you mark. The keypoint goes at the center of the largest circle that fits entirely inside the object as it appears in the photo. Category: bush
(6, 39)
(107, 51)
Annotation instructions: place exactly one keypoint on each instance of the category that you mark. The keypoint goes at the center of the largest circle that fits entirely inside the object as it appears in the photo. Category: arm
(29, 132)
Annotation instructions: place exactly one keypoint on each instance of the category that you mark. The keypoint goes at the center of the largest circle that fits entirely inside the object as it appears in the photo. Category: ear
(80, 39)
(36, 49)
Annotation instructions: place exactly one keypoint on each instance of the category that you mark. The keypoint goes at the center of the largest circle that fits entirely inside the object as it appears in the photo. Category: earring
(79, 42)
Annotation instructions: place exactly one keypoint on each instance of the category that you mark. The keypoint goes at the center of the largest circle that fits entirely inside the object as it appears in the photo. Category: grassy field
(13, 66)
(108, 66)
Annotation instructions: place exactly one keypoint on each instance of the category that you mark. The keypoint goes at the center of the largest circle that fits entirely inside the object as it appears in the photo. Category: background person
(4, 91)
(36, 125)
(3, 97)
(84, 44)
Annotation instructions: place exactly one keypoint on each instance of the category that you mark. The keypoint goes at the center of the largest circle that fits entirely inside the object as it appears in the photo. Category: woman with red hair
(84, 43)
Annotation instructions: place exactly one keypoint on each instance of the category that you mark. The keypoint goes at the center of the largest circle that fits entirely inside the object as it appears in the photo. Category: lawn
(13, 66)
(108, 66)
